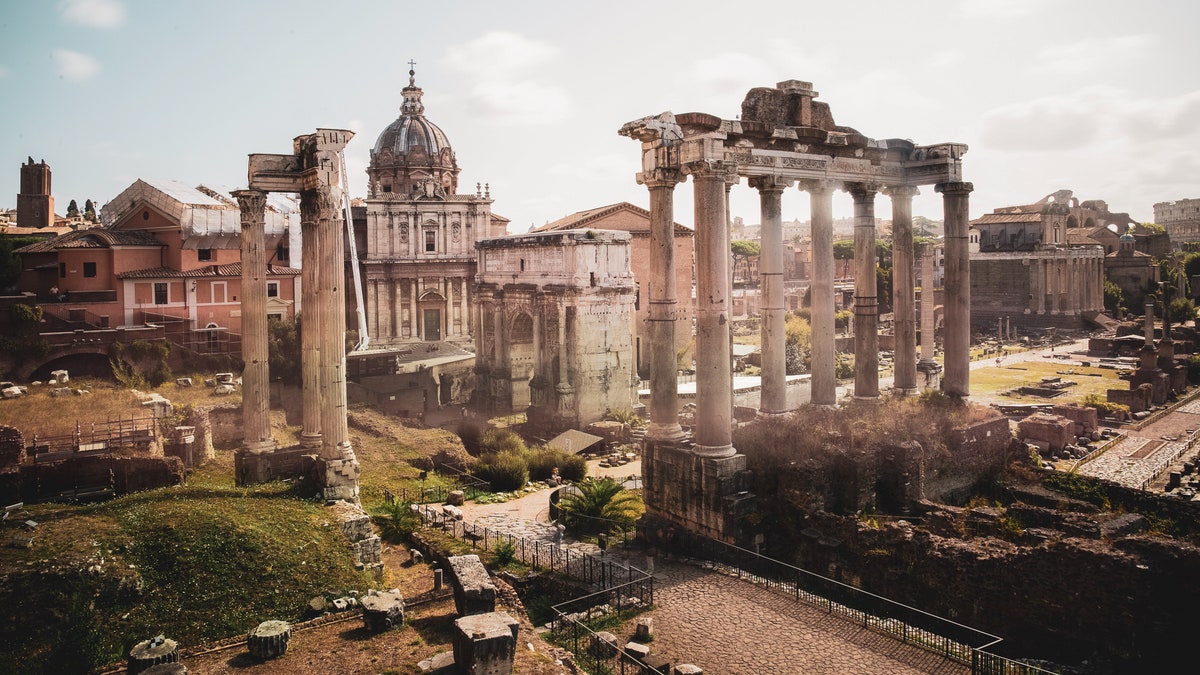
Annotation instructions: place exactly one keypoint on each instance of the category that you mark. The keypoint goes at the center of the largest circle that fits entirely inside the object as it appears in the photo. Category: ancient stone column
(664, 368)
(311, 319)
(714, 384)
(773, 397)
(1074, 283)
(1038, 285)
(928, 330)
(823, 367)
(341, 466)
(903, 293)
(866, 300)
(1055, 282)
(955, 203)
(256, 376)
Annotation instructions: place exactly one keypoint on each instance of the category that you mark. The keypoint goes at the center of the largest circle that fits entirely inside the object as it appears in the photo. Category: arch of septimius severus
(783, 138)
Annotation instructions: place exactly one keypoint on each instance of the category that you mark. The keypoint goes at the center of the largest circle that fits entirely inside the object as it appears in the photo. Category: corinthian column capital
(252, 203)
(901, 191)
(954, 188)
(660, 178)
(712, 168)
(769, 183)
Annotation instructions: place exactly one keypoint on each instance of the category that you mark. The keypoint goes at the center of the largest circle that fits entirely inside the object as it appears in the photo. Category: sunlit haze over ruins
(1095, 96)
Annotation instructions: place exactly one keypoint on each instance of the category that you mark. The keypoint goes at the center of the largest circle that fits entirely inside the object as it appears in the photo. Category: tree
(1181, 310)
(601, 505)
(1114, 297)
(89, 211)
(797, 344)
(843, 249)
(283, 349)
(72, 209)
(746, 251)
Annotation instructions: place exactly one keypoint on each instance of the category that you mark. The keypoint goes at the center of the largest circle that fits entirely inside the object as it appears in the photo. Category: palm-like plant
(601, 505)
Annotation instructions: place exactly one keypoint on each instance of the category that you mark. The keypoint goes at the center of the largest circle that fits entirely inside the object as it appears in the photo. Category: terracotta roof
(578, 220)
(96, 237)
(230, 270)
(993, 218)
(1081, 236)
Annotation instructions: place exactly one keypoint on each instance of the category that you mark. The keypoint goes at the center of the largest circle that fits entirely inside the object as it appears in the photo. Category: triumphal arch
(783, 138)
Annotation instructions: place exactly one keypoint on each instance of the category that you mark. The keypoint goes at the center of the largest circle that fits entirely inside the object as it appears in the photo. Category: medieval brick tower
(35, 204)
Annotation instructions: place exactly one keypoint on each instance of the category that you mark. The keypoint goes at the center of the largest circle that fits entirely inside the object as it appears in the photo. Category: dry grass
(989, 385)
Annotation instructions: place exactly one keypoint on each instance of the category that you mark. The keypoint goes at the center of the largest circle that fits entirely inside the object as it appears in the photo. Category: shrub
(471, 434)
(396, 522)
(542, 460)
(601, 505)
(495, 441)
(505, 552)
(503, 471)
(1107, 408)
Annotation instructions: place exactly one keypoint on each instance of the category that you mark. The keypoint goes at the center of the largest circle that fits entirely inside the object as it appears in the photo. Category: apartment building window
(160, 293)
(89, 269)
(282, 254)
(204, 254)
(272, 289)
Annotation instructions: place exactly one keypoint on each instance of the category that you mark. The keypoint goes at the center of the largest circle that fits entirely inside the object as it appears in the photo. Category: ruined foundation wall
(706, 496)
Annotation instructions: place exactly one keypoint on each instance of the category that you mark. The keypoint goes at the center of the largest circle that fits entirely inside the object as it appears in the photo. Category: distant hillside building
(1181, 219)
(35, 202)
(555, 315)
(166, 254)
(419, 262)
(636, 221)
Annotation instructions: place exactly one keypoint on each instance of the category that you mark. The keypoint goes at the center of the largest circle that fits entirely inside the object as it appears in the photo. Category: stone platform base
(251, 469)
(703, 495)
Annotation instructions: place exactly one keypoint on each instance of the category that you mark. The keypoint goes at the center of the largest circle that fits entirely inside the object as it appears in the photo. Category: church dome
(412, 149)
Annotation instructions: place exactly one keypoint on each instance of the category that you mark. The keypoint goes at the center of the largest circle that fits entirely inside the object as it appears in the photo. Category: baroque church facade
(419, 264)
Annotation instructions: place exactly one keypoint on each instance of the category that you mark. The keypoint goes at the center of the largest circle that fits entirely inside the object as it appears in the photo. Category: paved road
(729, 626)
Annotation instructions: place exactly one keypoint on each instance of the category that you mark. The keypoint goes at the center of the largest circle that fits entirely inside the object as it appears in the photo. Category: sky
(1101, 97)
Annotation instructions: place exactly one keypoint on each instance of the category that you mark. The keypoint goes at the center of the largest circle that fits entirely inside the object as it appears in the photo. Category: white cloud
(74, 65)
(1092, 54)
(500, 54)
(93, 13)
(507, 90)
(730, 75)
(518, 102)
(1004, 9)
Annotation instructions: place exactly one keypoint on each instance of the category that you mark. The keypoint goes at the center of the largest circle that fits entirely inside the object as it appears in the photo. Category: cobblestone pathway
(1132, 462)
(728, 626)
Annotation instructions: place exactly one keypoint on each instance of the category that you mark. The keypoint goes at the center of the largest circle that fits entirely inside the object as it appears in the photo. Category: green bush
(503, 471)
(505, 553)
(541, 462)
(396, 522)
(601, 505)
(495, 441)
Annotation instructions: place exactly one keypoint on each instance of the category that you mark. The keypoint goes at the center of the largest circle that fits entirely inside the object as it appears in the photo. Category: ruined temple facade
(555, 312)
(1044, 264)
(421, 234)
(783, 138)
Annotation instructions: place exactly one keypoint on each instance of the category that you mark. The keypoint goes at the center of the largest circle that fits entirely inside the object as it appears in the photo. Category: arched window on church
(522, 330)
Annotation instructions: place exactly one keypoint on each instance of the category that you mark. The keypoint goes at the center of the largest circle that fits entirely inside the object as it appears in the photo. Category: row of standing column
(714, 372)
(1071, 283)
(322, 329)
